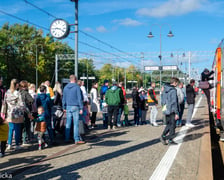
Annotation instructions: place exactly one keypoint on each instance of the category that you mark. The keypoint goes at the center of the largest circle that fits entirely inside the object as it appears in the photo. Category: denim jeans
(120, 111)
(17, 128)
(72, 113)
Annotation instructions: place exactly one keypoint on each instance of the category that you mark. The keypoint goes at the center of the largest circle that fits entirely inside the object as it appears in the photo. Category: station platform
(132, 153)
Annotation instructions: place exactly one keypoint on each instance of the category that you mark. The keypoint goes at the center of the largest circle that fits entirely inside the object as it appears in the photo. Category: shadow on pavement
(66, 171)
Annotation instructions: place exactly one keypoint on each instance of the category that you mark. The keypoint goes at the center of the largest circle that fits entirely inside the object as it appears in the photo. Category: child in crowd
(126, 112)
(41, 127)
(105, 113)
(4, 130)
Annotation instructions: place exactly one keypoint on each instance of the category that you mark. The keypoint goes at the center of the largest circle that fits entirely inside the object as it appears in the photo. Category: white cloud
(172, 8)
(101, 29)
(127, 22)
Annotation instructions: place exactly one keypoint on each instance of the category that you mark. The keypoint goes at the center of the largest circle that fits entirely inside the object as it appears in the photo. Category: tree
(19, 47)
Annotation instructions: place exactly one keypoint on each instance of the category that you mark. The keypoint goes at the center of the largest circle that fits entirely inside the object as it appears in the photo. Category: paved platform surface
(132, 153)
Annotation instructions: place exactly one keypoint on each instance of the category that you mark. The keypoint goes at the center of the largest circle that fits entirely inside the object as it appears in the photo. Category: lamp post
(170, 34)
(36, 46)
(76, 38)
(36, 63)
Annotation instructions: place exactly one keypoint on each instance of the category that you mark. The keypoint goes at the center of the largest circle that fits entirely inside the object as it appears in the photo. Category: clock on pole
(59, 28)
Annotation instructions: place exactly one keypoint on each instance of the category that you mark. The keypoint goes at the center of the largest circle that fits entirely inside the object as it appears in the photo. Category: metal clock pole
(76, 39)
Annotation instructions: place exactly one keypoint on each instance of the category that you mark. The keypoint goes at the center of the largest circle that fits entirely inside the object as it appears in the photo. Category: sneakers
(118, 125)
(39, 148)
(163, 140)
(9, 147)
(109, 128)
(189, 125)
(45, 145)
(80, 142)
(171, 142)
(155, 124)
(114, 128)
(1, 155)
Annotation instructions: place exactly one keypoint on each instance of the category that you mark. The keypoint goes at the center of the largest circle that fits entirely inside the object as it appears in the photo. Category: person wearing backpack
(170, 101)
(114, 97)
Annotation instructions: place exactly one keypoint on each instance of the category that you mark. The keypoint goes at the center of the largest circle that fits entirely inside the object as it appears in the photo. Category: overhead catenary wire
(107, 44)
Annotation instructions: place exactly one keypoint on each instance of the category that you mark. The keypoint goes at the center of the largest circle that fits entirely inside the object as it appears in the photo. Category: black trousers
(136, 115)
(112, 112)
(93, 118)
(170, 127)
(143, 117)
(3, 147)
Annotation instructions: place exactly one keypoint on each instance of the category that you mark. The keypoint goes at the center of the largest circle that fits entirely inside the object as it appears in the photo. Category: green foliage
(20, 49)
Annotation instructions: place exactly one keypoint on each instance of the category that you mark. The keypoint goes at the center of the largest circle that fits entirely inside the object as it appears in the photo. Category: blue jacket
(72, 96)
(44, 100)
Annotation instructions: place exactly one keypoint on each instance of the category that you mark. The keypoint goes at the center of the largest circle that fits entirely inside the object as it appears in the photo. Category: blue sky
(197, 26)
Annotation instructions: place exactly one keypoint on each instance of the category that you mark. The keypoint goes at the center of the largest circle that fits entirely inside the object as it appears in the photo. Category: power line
(44, 11)
(26, 21)
(107, 44)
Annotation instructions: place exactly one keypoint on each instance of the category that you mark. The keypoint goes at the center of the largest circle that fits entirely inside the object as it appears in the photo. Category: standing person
(94, 105)
(191, 102)
(181, 102)
(121, 106)
(84, 92)
(171, 102)
(57, 94)
(136, 105)
(152, 102)
(114, 96)
(57, 111)
(28, 100)
(104, 88)
(41, 127)
(143, 106)
(13, 110)
(44, 100)
(105, 113)
(4, 130)
(32, 92)
(49, 89)
(206, 76)
(73, 106)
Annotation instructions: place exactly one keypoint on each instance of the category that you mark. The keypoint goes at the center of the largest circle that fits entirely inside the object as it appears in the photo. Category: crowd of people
(28, 113)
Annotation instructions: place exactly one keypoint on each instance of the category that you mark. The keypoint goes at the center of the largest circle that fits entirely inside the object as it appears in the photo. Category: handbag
(203, 85)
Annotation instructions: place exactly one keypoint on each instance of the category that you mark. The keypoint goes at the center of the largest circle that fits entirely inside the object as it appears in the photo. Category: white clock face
(59, 28)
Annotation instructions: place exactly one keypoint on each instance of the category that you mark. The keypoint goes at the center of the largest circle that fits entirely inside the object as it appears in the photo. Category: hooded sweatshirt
(170, 99)
(114, 96)
(72, 96)
(44, 100)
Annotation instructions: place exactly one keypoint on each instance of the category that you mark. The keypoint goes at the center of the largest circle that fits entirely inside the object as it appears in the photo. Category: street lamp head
(171, 55)
(170, 34)
(184, 55)
(150, 35)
